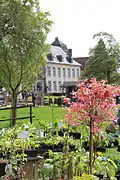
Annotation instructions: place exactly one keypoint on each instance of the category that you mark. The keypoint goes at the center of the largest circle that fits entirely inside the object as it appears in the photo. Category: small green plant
(105, 166)
(13, 143)
(85, 177)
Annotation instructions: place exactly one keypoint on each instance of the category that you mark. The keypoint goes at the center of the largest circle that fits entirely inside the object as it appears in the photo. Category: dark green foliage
(103, 58)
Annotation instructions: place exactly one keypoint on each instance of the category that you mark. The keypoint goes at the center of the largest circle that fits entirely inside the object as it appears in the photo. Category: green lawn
(46, 113)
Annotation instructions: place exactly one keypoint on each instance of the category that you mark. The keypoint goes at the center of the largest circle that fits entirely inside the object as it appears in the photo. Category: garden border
(19, 118)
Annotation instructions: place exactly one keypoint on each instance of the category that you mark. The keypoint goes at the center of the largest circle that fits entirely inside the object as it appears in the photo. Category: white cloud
(76, 21)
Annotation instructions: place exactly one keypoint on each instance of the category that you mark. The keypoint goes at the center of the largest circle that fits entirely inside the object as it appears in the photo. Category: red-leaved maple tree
(95, 104)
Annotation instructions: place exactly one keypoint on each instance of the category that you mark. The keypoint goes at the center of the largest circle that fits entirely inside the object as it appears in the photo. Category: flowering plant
(95, 104)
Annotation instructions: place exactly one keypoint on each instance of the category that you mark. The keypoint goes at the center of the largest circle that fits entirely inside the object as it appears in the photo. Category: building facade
(60, 67)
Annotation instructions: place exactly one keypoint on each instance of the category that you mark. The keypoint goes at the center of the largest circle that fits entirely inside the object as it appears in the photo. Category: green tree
(102, 60)
(23, 31)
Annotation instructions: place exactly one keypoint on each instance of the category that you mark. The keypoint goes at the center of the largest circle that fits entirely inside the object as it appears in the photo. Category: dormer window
(69, 59)
(50, 57)
(59, 57)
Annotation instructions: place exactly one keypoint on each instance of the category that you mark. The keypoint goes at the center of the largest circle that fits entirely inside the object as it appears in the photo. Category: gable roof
(59, 43)
(57, 51)
(81, 60)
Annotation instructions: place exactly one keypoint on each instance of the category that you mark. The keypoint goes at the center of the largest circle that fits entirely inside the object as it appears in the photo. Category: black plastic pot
(86, 148)
(60, 133)
(72, 148)
(118, 149)
(109, 145)
(118, 176)
(44, 148)
(75, 135)
(101, 149)
(46, 155)
(116, 143)
(31, 152)
(58, 147)
(2, 169)
(1, 155)
(100, 176)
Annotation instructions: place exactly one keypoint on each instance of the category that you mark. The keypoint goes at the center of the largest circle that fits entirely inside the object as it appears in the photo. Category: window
(49, 86)
(54, 71)
(54, 86)
(73, 73)
(59, 57)
(59, 72)
(64, 72)
(69, 59)
(78, 75)
(68, 72)
(59, 85)
(50, 57)
(49, 71)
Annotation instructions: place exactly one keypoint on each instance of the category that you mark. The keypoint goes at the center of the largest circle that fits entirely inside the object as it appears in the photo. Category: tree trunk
(91, 145)
(13, 110)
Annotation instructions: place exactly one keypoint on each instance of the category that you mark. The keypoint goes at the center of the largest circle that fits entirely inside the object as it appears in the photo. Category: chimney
(56, 42)
(70, 53)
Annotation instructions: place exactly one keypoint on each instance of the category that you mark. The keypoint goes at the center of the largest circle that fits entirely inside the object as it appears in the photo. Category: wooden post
(36, 170)
(30, 170)
(31, 114)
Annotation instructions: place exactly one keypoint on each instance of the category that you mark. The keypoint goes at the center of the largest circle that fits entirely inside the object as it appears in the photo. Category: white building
(60, 67)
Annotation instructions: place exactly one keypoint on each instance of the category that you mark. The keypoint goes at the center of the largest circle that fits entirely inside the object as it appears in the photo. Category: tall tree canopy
(103, 59)
(23, 31)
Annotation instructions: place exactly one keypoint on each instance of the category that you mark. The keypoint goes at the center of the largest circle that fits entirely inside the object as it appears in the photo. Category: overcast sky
(76, 21)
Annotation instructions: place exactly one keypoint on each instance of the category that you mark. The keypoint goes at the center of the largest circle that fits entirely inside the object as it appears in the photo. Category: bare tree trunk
(13, 110)
(91, 145)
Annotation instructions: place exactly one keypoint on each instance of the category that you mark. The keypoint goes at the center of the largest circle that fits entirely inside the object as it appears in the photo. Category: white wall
(63, 78)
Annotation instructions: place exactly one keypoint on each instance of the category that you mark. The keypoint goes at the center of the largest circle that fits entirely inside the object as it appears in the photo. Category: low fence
(19, 118)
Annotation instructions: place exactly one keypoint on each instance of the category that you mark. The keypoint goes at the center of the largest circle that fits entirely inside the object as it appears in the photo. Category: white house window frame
(49, 86)
(54, 72)
(73, 73)
(54, 86)
(78, 73)
(59, 72)
(49, 71)
(64, 72)
(59, 86)
(69, 75)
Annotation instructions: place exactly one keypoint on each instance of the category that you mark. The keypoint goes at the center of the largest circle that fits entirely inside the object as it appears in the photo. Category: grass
(46, 113)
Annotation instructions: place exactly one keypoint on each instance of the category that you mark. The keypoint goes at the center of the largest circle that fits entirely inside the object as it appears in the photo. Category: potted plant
(105, 166)
(15, 142)
(95, 103)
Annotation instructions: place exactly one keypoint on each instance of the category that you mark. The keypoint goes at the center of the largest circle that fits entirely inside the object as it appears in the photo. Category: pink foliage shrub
(94, 99)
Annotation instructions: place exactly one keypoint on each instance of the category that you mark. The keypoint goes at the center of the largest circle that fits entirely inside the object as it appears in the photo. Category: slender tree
(103, 59)
(23, 31)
